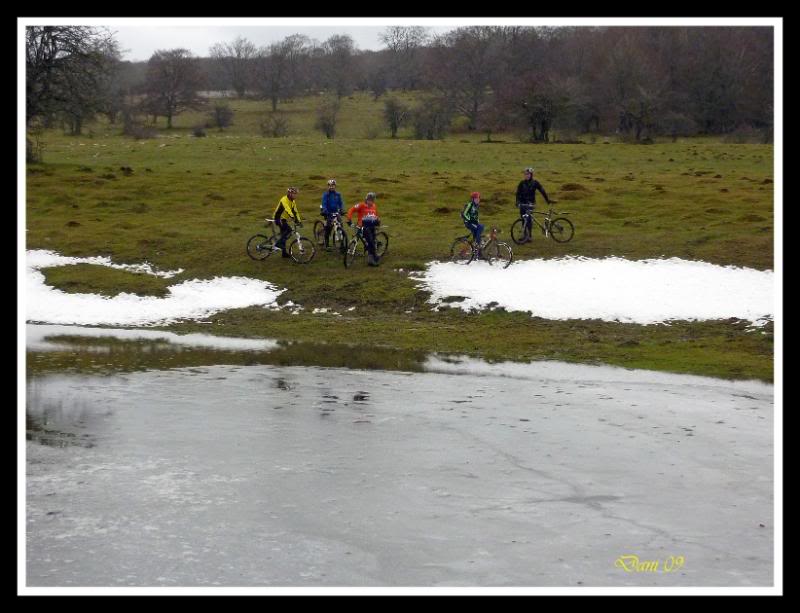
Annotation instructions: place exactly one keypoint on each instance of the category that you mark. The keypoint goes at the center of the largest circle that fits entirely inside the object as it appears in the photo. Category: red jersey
(364, 209)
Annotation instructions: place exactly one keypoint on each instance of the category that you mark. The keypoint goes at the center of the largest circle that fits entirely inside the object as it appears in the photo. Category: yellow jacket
(288, 208)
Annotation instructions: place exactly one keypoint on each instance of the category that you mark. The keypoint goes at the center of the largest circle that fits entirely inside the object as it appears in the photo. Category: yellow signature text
(631, 563)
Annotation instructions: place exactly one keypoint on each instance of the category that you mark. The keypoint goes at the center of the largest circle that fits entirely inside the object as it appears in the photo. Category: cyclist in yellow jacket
(286, 208)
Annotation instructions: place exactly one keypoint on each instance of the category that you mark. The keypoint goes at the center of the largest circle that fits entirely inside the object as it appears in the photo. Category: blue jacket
(332, 203)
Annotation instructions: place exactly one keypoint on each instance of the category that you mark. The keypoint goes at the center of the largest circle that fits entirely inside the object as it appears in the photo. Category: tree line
(637, 82)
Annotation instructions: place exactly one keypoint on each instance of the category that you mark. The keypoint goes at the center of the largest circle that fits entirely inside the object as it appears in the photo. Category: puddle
(198, 461)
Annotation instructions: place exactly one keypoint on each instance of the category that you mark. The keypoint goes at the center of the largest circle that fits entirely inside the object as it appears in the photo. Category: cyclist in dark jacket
(332, 205)
(526, 198)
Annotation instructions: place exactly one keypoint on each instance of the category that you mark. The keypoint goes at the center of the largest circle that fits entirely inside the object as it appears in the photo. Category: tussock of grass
(92, 279)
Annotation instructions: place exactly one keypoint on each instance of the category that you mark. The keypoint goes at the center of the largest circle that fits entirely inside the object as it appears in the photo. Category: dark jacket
(526, 191)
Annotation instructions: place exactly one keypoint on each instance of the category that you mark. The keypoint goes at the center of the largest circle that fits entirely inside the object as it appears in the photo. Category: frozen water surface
(460, 474)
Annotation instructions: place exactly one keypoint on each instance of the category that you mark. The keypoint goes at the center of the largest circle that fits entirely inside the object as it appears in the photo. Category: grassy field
(183, 202)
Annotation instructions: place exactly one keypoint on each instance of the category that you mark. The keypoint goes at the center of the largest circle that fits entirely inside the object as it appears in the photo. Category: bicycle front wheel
(302, 250)
(461, 251)
(518, 233)
(561, 230)
(496, 252)
(354, 250)
(381, 244)
(259, 247)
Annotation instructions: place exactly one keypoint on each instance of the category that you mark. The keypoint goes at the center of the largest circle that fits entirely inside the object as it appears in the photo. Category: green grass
(192, 203)
(92, 279)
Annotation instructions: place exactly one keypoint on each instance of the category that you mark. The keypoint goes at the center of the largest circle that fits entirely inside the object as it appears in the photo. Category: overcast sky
(139, 43)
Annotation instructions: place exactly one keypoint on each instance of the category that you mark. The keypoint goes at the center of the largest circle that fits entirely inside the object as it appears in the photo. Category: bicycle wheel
(302, 250)
(354, 250)
(340, 240)
(518, 234)
(319, 232)
(561, 230)
(381, 244)
(499, 253)
(259, 247)
(461, 251)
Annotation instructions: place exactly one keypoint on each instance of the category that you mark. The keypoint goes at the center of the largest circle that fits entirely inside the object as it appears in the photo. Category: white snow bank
(45, 259)
(554, 371)
(193, 299)
(611, 289)
(45, 338)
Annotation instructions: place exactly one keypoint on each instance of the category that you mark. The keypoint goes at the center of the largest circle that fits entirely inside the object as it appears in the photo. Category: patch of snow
(611, 289)
(192, 299)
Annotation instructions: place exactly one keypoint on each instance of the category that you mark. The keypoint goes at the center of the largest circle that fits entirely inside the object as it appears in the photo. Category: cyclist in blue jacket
(332, 205)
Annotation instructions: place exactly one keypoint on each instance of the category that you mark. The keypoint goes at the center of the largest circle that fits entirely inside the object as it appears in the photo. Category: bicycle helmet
(331, 182)
(474, 195)
(528, 170)
(292, 190)
(370, 196)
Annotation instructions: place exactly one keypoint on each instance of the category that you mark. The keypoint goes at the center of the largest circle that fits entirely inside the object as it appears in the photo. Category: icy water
(157, 460)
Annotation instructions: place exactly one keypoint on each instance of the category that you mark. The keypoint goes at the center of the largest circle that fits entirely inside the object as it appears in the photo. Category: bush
(372, 130)
(677, 124)
(327, 113)
(743, 135)
(140, 131)
(199, 131)
(221, 116)
(394, 114)
(431, 120)
(275, 125)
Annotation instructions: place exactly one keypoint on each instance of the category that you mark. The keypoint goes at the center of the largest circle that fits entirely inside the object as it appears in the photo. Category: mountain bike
(560, 229)
(357, 246)
(464, 250)
(338, 236)
(261, 246)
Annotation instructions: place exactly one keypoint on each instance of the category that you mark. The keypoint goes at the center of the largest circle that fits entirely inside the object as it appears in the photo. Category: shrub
(221, 116)
(431, 120)
(327, 113)
(275, 125)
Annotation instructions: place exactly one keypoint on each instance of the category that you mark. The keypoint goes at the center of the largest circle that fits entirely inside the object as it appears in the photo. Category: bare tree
(173, 80)
(404, 44)
(67, 71)
(461, 67)
(279, 68)
(339, 51)
(237, 60)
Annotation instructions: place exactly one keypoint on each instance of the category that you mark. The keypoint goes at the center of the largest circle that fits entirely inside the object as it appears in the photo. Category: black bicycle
(560, 229)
